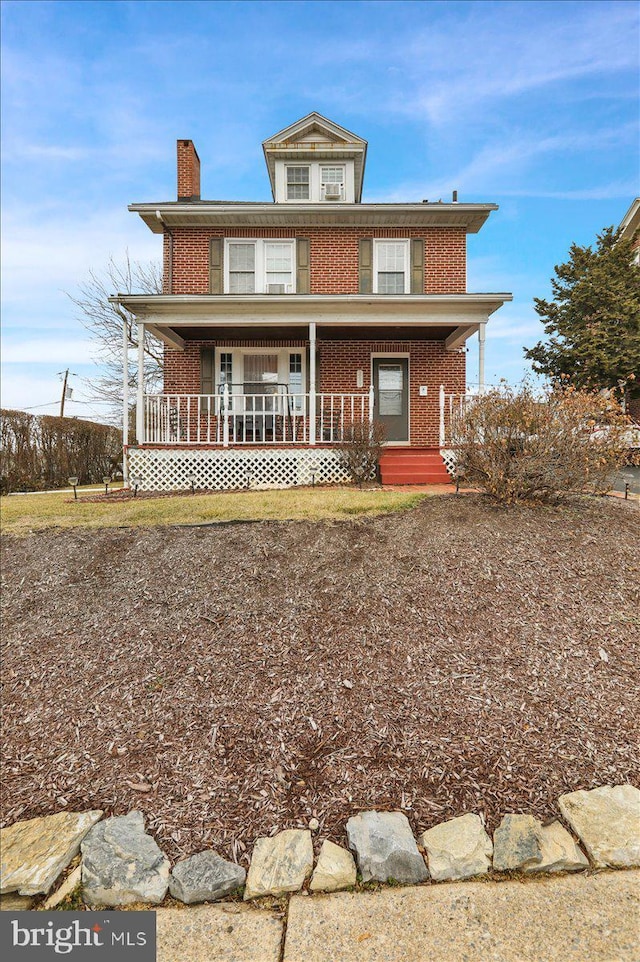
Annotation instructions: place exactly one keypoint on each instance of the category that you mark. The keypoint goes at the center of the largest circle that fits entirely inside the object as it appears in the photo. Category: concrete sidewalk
(580, 918)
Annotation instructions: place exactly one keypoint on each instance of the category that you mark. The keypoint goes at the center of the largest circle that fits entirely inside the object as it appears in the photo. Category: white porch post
(481, 340)
(312, 382)
(442, 401)
(372, 398)
(225, 415)
(140, 398)
(125, 403)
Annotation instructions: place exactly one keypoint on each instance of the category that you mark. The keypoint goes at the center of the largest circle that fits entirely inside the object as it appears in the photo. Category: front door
(391, 401)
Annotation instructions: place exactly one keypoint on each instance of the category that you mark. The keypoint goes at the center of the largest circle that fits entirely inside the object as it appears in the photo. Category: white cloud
(504, 50)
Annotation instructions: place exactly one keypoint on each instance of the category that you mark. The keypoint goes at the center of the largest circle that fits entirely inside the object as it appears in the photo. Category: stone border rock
(122, 864)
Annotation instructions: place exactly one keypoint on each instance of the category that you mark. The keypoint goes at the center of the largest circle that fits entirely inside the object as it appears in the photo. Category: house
(286, 322)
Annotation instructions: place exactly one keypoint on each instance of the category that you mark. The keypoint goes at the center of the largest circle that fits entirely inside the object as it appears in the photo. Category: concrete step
(413, 466)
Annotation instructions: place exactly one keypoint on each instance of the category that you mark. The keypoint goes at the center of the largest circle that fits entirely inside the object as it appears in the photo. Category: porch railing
(451, 406)
(231, 418)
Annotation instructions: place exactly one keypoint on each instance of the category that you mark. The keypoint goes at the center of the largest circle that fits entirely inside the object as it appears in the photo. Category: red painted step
(413, 466)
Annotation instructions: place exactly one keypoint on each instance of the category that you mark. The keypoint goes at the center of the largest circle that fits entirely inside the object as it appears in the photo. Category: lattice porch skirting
(450, 460)
(162, 469)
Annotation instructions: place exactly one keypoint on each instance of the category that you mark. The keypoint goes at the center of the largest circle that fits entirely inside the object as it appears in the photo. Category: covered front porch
(281, 374)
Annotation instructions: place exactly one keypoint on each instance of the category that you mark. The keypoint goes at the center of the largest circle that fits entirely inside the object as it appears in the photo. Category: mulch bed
(490, 656)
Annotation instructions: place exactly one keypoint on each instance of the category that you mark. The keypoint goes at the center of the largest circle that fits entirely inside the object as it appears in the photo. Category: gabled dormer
(315, 161)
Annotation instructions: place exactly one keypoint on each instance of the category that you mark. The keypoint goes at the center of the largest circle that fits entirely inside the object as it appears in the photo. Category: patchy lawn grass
(492, 659)
(23, 514)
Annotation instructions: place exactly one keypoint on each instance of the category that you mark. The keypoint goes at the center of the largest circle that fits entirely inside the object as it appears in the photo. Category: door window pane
(260, 377)
(390, 386)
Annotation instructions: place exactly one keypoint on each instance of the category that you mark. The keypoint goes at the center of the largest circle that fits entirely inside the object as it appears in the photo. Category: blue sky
(530, 105)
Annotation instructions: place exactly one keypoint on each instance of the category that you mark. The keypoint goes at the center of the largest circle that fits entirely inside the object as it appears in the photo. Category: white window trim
(238, 355)
(260, 260)
(407, 273)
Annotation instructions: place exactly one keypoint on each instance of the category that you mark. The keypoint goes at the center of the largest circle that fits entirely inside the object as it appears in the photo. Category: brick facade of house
(338, 361)
(333, 255)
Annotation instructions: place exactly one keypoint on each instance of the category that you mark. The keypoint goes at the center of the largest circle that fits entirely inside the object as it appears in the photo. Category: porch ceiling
(299, 335)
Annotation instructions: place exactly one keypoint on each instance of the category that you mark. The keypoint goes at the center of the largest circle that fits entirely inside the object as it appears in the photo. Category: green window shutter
(365, 265)
(215, 265)
(417, 266)
(303, 266)
(207, 370)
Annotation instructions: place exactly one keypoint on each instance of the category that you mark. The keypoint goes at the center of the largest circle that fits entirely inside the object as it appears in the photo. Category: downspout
(168, 231)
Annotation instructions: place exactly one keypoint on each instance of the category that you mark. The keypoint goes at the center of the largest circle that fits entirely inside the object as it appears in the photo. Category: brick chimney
(188, 171)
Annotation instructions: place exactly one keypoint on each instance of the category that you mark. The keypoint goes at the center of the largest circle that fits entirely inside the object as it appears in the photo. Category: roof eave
(175, 214)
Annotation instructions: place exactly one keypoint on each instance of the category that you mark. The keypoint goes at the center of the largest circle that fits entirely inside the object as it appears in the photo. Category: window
(242, 268)
(279, 268)
(254, 371)
(226, 369)
(260, 267)
(332, 183)
(391, 267)
(297, 183)
(295, 380)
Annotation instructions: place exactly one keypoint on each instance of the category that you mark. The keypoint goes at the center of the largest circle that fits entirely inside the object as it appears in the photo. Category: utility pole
(64, 392)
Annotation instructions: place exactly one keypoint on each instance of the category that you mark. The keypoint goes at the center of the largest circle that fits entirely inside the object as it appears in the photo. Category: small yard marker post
(626, 491)
(74, 484)
(106, 481)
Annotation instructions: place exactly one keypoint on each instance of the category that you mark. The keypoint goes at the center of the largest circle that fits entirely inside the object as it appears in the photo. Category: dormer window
(332, 183)
(315, 182)
(298, 183)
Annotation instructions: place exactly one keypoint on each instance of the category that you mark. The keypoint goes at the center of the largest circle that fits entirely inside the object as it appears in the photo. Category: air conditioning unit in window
(332, 191)
(276, 288)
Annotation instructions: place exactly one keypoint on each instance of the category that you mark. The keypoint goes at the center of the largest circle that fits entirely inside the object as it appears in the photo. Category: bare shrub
(521, 445)
(360, 449)
(40, 452)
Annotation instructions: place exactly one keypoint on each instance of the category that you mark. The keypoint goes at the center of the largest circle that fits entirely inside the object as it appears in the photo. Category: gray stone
(280, 864)
(516, 843)
(335, 870)
(559, 851)
(607, 820)
(35, 852)
(121, 864)
(205, 877)
(459, 848)
(385, 848)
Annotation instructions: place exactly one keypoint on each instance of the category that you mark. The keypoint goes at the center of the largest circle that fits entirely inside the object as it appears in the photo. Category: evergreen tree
(593, 322)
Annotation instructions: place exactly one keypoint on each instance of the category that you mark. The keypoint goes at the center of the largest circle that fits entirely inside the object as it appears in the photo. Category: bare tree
(104, 321)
